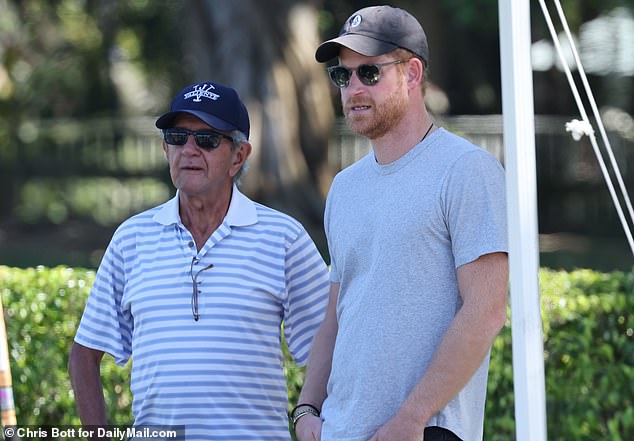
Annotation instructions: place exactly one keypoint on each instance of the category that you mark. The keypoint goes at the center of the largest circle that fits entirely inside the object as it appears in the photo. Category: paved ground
(568, 251)
(81, 244)
(73, 244)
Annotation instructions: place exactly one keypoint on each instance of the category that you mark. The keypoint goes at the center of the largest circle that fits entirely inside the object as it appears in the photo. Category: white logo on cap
(355, 21)
(202, 91)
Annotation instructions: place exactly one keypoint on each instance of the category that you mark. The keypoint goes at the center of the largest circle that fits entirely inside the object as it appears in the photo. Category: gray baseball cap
(377, 30)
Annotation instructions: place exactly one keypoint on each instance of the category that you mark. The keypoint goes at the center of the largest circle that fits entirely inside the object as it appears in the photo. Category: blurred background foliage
(81, 82)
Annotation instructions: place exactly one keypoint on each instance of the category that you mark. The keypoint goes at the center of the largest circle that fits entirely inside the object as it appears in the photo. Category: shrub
(589, 360)
(588, 352)
(42, 308)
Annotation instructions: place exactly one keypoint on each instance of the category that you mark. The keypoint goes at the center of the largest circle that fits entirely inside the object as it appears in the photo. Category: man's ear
(415, 72)
(240, 155)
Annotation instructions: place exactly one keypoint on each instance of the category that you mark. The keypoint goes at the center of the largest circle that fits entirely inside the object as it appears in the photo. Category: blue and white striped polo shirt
(220, 376)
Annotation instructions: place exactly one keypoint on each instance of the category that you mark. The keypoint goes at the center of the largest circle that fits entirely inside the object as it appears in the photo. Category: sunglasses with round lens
(368, 74)
(205, 139)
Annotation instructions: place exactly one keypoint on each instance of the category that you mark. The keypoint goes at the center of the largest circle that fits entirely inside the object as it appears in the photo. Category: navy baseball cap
(217, 105)
(377, 30)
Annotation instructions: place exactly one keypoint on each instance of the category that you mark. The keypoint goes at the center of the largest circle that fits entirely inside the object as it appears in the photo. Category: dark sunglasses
(368, 74)
(205, 139)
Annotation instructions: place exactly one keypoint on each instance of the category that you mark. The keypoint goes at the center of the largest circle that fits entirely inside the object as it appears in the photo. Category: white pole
(519, 148)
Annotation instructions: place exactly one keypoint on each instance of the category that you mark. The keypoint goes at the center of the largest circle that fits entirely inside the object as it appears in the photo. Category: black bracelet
(305, 405)
(302, 410)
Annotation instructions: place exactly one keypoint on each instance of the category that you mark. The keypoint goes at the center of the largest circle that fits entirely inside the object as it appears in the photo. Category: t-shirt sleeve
(334, 272)
(307, 288)
(104, 325)
(475, 206)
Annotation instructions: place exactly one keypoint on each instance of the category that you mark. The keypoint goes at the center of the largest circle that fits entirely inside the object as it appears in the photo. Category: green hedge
(42, 308)
(588, 321)
(588, 351)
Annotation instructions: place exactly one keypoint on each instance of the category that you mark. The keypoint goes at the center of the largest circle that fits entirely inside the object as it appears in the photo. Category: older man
(195, 290)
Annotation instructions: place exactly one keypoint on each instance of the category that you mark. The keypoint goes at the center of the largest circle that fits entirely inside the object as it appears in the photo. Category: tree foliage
(91, 58)
(62, 58)
(118, 60)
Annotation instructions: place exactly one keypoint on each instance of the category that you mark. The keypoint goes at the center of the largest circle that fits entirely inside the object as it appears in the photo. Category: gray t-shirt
(396, 234)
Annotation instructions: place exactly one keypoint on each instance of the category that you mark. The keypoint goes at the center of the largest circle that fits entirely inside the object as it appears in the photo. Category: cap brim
(166, 121)
(362, 44)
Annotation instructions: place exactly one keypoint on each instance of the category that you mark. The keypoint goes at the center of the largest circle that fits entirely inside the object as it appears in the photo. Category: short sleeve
(104, 326)
(307, 296)
(334, 272)
(475, 206)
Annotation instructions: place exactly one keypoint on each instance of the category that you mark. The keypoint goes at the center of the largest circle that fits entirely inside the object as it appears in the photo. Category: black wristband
(305, 405)
(302, 410)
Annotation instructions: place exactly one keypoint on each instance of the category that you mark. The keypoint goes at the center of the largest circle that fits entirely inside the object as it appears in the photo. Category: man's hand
(308, 428)
(400, 428)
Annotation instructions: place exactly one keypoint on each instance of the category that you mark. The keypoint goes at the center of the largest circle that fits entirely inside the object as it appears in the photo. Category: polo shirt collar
(241, 211)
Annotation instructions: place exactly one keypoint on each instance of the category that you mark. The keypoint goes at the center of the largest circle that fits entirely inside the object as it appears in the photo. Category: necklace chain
(426, 133)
